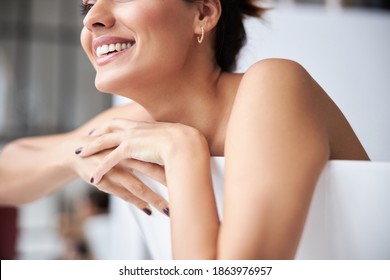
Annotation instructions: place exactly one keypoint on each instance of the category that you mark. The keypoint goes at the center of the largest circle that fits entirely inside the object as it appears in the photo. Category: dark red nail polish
(147, 211)
(92, 180)
(166, 211)
(78, 150)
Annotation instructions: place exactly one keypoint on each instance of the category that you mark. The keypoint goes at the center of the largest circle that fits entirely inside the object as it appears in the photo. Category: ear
(208, 17)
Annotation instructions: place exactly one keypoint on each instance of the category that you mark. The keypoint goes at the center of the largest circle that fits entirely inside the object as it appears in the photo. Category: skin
(274, 125)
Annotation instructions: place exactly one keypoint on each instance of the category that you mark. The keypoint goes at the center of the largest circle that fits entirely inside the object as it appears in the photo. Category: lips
(107, 45)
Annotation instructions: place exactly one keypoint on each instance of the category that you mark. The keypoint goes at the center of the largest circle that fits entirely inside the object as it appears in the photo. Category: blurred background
(47, 86)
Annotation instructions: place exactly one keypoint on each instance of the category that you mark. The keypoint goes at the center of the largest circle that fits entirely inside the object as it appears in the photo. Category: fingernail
(147, 211)
(91, 131)
(166, 211)
(78, 150)
(92, 180)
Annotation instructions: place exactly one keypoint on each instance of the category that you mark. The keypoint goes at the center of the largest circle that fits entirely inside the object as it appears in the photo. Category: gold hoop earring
(201, 37)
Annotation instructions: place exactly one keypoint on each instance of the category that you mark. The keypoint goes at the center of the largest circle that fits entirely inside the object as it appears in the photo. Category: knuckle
(138, 189)
(159, 203)
(109, 126)
(128, 197)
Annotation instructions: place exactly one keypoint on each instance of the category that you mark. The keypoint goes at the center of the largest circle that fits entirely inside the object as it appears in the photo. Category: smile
(111, 48)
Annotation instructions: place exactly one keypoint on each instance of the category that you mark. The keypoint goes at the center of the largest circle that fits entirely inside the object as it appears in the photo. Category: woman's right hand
(121, 181)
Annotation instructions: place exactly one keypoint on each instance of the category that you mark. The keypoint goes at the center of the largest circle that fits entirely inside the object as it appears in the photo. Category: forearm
(33, 167)
(194, 218)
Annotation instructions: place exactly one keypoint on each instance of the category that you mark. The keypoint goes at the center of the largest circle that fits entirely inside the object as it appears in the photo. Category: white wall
(347, 51)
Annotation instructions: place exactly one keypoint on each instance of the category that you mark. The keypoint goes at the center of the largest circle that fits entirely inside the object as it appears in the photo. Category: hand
(156, 149)
(141, 142)
(120, 180)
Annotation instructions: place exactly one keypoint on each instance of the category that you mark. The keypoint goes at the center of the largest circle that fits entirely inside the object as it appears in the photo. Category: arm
(276, 146)
(34, 167)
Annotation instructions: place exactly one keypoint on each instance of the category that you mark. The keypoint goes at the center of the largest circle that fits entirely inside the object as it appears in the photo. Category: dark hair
(230, 33)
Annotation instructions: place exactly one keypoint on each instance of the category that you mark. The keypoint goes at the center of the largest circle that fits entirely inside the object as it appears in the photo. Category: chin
(102, 87)
(106, 85)
(111, 88)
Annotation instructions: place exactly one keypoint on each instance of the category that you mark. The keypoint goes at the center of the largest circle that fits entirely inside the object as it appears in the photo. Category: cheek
(169, 35)
(159, 20)
(84, 36)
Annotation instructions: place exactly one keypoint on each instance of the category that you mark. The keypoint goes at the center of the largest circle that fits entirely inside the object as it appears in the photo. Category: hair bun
(231, 34)
(249, 8)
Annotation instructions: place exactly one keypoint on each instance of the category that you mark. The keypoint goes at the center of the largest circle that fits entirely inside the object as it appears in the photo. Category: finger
(101, 143)
(136, 187)
(108, 186)
(108, 162)
(113, 126)
(152, 170)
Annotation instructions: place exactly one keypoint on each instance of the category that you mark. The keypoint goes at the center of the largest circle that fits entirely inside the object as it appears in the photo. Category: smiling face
(136, 43)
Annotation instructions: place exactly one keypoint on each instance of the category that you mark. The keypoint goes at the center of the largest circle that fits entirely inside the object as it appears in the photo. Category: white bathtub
(349, 216)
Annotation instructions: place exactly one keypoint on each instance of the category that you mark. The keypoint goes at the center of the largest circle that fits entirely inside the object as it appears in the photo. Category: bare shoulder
(283, 84)
(279, 73)
(287, 95)
(280, 87)
(276, 64)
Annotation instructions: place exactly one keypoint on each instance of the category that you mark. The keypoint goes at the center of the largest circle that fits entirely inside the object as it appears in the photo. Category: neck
(185, 100)
(199, 99)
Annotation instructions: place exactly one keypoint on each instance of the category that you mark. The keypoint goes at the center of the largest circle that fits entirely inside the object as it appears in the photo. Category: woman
(274, 125)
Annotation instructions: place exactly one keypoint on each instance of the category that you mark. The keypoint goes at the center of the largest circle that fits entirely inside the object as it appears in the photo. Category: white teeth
(111, 48)
(104, 49)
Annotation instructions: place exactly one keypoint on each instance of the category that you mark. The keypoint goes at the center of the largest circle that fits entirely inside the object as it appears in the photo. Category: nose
(99, 16)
